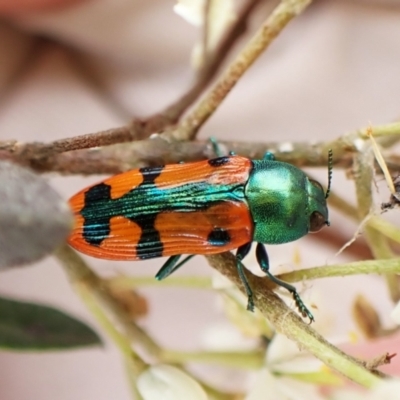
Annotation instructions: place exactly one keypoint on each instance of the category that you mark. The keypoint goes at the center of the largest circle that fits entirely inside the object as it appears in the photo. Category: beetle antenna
(330, 166)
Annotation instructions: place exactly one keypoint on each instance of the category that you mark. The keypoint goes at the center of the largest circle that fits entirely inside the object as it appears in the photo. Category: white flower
(285, 357)
(395, 314)
(222, 337)
(267, 386)
(191, 10)
(168, 383)
(286, 371)
(388, 389)
(290, 372)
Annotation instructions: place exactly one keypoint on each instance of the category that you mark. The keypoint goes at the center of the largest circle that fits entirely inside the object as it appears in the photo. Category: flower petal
(191, 10)
(386, 389)
(224, 337)
(264, 387)
(268, 386)
(168, 383)
(395, 314)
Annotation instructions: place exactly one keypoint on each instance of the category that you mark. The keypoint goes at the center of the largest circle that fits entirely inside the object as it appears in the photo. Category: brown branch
(280, 17)
(157, 151)
(99, 139)
(60, 157)
(142, 128)
(37, 153)
(209, 69)
(289, 324)
(39, 156)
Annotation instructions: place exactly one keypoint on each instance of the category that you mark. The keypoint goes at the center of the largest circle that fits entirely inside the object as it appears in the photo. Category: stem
(243, 360)
(96, 291)
(377, 242)
(290, 325)
(59, 155)
(385, 228)
(80, 273)
(133, 363)
(280, 17)
(87, 297)
(132, 373)
(377, 223)
(379, 266)
(381, 130)
(193, 282)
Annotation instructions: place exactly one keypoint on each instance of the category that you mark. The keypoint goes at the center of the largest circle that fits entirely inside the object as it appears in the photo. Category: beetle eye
(317, 221)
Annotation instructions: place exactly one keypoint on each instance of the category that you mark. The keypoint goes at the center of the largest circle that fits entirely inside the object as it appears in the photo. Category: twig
(142, 128)
(95, 293)
(378, 243)
(160, 150)
(156, 151)
(280, 17)
(210, 67)
(80, 274)
(355, 268)
(289, 324)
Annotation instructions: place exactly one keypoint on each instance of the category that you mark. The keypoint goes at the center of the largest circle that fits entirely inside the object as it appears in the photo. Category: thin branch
(155, 151)
(378, 243)
(142, 128)
(160, 150)
(280, 17)
(210, 67)
(288, 323)
(38, 151)
(95, 293)
(80, 274)
(379, 266)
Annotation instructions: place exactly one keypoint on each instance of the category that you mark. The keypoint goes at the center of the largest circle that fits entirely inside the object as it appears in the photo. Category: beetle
(204, 207)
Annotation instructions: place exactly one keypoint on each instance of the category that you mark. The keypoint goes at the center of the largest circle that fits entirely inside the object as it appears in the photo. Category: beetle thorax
(278, 201)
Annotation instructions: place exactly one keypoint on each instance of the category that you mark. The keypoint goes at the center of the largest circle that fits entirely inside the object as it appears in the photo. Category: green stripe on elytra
(143, 203)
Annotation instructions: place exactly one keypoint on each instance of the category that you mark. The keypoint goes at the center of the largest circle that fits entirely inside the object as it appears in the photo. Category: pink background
(334, 70)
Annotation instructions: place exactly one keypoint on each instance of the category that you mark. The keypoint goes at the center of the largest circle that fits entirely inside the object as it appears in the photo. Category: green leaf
(27, 326)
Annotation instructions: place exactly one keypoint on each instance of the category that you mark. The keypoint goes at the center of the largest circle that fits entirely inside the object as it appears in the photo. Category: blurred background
(92, 65)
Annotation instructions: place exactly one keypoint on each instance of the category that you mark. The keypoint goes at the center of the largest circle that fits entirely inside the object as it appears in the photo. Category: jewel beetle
(204, 207)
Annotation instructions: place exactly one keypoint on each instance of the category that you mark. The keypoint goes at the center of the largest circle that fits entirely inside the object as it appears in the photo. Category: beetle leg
(215, 146)
(263, 262)
(269, 156)
(241, 253)
(217, 149)
(171, 266)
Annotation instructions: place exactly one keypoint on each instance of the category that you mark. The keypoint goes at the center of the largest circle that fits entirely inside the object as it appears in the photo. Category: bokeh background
(97, 63)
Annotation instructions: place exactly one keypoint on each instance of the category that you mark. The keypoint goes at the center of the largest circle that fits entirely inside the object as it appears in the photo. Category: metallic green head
(285, 204)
